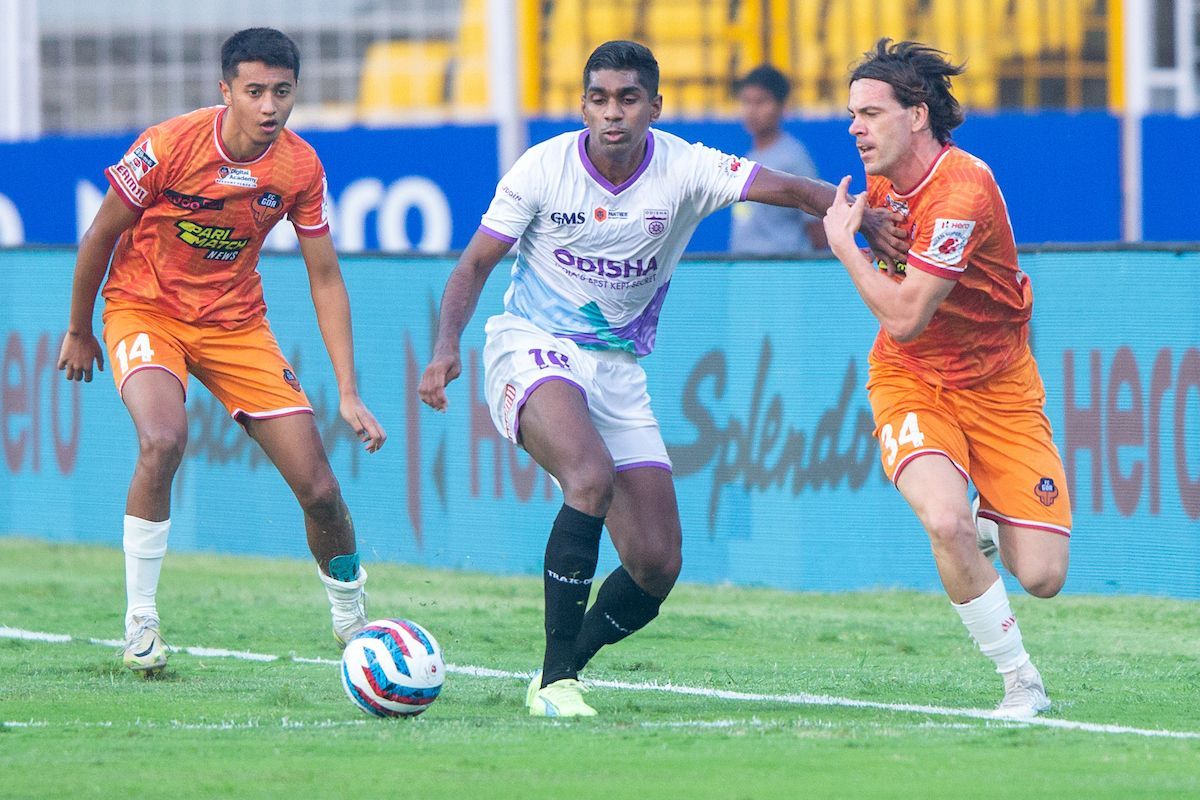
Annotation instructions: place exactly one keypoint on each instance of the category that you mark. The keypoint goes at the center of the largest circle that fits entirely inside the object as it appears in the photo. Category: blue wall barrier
(424, 189)
(757, 380)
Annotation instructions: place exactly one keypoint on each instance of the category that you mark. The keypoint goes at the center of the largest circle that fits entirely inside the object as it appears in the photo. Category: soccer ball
(392, 668)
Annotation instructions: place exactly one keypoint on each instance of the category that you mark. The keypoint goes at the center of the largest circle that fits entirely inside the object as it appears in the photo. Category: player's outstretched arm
(80, 348)
(882, 228)
(332, 305)
(459, 299)
(903, 308)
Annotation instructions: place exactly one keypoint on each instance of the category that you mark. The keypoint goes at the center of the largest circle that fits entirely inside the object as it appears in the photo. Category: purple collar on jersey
(605, 182)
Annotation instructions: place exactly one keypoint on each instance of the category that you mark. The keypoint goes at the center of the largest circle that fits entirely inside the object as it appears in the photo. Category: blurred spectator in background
(759, 229)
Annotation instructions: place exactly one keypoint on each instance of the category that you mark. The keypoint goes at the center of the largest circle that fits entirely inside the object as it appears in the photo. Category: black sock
(571, 554)
(621, 608)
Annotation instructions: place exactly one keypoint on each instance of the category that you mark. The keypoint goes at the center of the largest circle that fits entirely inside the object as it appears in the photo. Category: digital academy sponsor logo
(236, 176)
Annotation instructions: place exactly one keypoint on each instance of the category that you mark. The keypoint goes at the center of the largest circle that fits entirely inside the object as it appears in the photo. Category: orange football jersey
(959, 230)
(192, 255)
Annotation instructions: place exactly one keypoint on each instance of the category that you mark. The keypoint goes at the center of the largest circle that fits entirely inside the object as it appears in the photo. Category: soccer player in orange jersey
(953, 386)
(189, 206)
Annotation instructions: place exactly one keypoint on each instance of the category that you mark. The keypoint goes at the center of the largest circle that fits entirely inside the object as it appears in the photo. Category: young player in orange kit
(189, 207)
(953, 385)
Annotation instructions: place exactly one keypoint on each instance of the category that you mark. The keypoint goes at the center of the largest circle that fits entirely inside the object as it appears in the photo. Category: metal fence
(107, 66)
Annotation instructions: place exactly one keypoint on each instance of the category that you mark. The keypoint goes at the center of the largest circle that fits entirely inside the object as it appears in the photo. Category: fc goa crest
(1046, 491)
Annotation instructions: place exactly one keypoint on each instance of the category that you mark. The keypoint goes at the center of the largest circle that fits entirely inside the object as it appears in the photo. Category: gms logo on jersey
(213, 238)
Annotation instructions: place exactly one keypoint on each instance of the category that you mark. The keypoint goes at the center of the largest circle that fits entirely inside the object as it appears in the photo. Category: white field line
(800, 699)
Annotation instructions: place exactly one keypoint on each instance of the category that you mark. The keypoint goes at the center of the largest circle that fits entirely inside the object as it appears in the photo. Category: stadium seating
(404, 76)
(1014, 47)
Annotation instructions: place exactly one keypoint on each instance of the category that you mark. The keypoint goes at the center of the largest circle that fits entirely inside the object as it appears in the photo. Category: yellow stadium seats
(404, 75)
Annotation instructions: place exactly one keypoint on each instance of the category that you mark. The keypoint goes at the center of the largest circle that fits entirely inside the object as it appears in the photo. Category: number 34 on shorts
(910, 436)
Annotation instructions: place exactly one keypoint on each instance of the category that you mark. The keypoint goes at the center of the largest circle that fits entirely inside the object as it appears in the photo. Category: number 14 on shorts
(140, 349)
(910, 434)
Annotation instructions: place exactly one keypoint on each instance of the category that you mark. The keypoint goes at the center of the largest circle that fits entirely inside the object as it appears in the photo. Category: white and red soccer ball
(393, 668)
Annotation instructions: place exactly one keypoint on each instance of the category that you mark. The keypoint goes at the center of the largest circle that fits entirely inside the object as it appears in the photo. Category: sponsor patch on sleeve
(141, 159)
(949, 240)
(731, 164)
(129, 184)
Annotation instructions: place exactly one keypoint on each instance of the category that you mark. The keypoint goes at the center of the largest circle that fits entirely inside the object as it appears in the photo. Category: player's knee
(657, 569)
(321, 498)
(588, 487)
(1044, 582)
(946, 528)
(161, 449)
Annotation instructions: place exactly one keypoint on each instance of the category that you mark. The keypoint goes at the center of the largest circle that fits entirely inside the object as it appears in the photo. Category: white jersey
(595, 260)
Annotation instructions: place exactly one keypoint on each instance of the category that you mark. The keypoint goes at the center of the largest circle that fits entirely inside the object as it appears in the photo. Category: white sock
(343, 594)
(993, 626)
(145, 545)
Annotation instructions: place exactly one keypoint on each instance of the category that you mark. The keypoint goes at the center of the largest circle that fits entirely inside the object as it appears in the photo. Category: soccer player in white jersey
(601, 217)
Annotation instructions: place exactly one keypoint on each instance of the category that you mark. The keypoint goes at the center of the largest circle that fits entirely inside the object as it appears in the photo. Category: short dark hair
(917, 74)
(267, 45)
(767, 78)
(622, 55)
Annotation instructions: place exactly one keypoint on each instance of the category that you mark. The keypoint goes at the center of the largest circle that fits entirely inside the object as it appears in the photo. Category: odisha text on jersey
(608, 267)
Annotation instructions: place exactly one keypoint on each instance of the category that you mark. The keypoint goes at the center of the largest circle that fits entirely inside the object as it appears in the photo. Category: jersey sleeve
(310, 214)
(139, 177)
(718, 179)
(949, 231)
(515, 203)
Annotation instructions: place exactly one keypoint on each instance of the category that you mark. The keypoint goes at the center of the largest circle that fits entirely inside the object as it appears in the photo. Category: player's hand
(884, 231)
(438, 375)
(844, 217)
(360, 418)
(77, 354)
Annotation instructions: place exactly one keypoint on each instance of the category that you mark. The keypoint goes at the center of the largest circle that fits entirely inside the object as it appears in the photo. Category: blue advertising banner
(393, 190)
(758, 383)
(424, 189)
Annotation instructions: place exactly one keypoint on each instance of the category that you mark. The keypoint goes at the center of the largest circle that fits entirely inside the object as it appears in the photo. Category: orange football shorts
(243, 368)
(996, 433)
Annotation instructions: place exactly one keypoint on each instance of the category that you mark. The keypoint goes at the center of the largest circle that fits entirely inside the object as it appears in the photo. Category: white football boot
(1024, 693)
(145, 650)
(987, 532)
(347, 604)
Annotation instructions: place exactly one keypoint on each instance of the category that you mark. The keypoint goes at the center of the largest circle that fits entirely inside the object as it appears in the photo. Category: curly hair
(917, 74)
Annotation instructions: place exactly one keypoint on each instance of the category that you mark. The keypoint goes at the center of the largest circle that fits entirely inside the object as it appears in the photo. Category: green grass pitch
(74, 723)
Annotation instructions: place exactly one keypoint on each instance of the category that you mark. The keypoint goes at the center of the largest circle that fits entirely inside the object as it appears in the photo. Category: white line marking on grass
(175, 724)
(800, 699)
(16, 633)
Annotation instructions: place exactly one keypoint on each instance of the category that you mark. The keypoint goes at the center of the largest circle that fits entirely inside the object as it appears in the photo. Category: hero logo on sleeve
(730, 164)
(949, 240)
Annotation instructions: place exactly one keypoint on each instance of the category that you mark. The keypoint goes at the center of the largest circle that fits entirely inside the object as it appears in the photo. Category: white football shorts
(518, 357)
